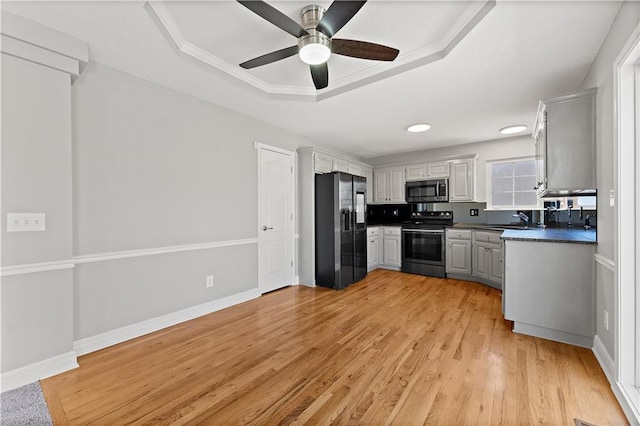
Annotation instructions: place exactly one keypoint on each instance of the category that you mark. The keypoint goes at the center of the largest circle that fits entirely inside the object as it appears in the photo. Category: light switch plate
(25, 222)
(612, 198)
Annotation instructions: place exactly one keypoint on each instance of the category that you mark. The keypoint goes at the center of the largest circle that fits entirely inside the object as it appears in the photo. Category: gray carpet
(24, 406)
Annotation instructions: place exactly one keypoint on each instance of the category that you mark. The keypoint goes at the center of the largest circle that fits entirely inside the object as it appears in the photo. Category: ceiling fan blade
(363, 50)
(320, 75)
(270, 57)
(274, 16)
(339, 13)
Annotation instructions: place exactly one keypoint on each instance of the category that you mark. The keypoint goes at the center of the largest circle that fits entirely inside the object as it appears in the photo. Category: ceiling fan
(315, 42)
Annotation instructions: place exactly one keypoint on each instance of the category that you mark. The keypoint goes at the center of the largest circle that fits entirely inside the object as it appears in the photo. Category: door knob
(266, 228)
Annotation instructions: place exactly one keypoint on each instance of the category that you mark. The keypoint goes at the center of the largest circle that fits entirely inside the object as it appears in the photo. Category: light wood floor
(392, 349)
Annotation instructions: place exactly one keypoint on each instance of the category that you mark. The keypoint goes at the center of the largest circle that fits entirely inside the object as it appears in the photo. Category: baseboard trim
(604, 359)
(555, 335)
(37, 371)
(622, 394)
(625, 398)
(119, 335)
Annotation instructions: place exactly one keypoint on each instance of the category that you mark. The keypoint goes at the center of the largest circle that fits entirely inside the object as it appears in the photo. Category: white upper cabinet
(327, 163)
(435, 170)
(381, 186)
(438, 170)
(322, 163)
(340, 165)
(565, 136)
(368, 174)
(355, 169)
(462, 180)
(416, 172)
(389, 185)
(397, 185)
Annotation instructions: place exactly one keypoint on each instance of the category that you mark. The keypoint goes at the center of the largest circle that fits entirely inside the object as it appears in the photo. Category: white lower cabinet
(391, 248)
(497, 264)
(475, 254)
(373, 248)
(458, 252)
(481, 261)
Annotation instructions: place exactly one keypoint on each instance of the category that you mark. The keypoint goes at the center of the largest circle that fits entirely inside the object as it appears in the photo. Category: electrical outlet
(605, 320)
(209, 281)
(473, 212)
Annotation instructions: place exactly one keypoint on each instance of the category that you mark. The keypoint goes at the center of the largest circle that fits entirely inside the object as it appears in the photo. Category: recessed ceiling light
(513, 129)
(420, 127)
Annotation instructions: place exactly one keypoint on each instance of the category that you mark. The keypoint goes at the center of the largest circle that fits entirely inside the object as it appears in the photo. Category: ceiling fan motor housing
(311, 15)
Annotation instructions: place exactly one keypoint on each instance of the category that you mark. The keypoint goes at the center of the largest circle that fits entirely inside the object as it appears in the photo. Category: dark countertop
(481, 226)
(572, 235)
(383, 224)
(576, 235)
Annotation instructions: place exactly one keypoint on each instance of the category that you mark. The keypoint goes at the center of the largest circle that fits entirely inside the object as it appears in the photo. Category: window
(511, 185)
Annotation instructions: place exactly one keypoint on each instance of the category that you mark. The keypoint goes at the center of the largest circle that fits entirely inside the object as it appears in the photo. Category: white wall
(37, 316)
(520, 146)
(155, 168)
(600, 75)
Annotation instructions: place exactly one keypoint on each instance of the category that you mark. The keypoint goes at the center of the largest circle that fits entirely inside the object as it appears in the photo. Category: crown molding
(405, 62)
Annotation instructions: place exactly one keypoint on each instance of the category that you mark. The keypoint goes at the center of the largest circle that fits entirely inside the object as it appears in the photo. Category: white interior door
(275, 218)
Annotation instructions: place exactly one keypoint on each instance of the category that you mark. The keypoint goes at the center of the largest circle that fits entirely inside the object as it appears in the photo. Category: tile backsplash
(461, 213)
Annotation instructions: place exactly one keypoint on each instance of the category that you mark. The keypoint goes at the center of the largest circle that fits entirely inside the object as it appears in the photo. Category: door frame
(260, 147)
(627, 212)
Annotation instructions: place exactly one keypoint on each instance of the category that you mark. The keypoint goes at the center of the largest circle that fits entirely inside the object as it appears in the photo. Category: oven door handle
(425, 231)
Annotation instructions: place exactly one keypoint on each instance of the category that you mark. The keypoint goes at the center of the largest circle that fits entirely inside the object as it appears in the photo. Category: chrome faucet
(523, 218)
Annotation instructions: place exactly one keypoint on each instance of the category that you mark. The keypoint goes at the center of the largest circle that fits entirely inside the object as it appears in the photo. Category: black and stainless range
(423, 243)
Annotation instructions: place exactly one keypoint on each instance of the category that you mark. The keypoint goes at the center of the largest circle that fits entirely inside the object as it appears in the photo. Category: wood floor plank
(394, 348)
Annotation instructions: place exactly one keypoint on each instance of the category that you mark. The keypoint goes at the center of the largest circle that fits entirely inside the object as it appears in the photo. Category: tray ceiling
(224, 34)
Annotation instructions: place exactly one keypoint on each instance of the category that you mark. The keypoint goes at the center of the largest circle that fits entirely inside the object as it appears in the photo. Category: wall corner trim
(122, 334)
(37, 371)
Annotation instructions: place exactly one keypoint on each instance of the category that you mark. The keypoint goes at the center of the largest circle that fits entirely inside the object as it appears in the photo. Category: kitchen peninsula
(549, 283)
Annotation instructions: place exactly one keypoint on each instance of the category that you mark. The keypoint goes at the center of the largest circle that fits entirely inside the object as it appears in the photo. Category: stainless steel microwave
(428, 191)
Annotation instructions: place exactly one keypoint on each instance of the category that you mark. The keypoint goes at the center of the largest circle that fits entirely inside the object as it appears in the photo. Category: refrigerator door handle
(345, 218)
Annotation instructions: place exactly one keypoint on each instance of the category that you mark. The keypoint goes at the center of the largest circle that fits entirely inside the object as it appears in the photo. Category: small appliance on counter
(423, 243)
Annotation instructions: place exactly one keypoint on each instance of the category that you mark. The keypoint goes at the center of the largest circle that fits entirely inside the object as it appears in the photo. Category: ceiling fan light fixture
(315, 48)
(513, 129)
(417, 128)
(314, 54)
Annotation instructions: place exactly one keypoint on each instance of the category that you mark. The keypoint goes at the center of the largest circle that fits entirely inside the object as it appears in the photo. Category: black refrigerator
(341, 229)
